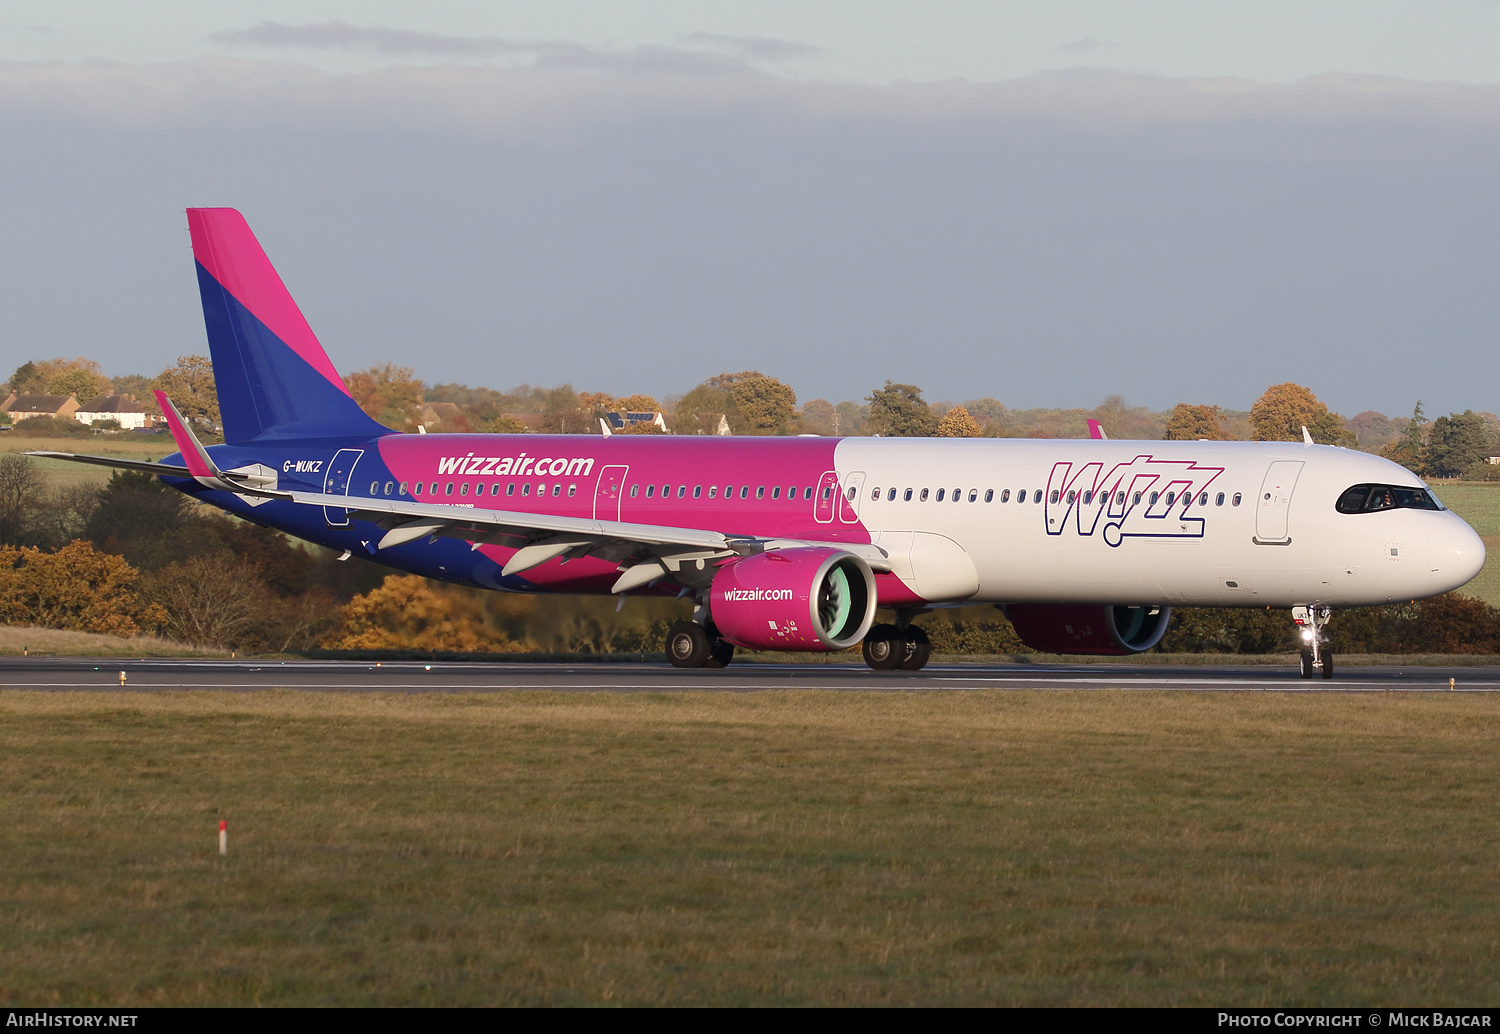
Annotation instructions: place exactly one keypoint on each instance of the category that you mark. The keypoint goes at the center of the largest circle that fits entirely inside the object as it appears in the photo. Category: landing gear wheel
(688, 645)
(1307, 664)
(720, 652)
(1327, 664)
(884, 648)
(918, 649)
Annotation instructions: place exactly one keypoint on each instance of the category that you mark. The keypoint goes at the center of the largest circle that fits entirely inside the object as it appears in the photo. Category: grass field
(29, 639)
(1479, 504)
(776, 848)
(62, 474)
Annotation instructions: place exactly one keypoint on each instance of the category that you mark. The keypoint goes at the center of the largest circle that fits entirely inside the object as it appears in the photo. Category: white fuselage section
(1235, 524)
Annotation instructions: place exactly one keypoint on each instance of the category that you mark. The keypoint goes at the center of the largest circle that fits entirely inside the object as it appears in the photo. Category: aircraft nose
(1455, 555)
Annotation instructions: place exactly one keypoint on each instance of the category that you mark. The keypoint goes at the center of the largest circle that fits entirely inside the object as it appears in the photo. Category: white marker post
(223, 836)
(122, 678)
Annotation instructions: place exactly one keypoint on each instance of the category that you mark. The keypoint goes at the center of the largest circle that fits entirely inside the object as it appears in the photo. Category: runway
(186, 674)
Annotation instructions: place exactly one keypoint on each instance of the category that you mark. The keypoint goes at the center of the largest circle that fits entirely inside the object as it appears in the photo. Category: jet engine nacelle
(1068, 628)
(807, 598)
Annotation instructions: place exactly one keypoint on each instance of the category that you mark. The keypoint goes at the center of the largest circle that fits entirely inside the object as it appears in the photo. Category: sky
(1044, 203)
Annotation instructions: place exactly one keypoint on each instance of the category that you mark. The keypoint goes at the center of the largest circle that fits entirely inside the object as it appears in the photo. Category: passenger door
(854, 484)
(1273, 505)
(336, 482)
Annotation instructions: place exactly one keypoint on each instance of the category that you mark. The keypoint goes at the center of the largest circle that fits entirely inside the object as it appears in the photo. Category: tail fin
(274, 379)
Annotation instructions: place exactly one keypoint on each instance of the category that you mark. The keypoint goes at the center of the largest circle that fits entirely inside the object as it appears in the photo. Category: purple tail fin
(274, 379)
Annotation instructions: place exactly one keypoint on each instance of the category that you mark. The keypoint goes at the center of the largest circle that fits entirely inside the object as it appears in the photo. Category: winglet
(604, 427)
(1096, 430)
(1306, 438)
(194, 456)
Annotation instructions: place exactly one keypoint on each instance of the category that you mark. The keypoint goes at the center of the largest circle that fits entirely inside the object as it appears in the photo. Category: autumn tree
(1285, 409)
(1189, 423)
(1407, 450)
(407, 613)
(83, 384)
(898, 411)
(819, 417)
(190, 386)
(636, 404)
(76, 588)
(388, 393)
(958, 424)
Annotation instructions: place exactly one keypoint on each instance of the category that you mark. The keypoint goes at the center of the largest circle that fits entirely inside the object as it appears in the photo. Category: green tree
(1189, 423)
(1455, 442)
(764, 404)
(25, 378)
(898, 411)
(1280, 414)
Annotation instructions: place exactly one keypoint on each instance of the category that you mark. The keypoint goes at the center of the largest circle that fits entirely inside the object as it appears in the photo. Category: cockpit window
(1369, 498)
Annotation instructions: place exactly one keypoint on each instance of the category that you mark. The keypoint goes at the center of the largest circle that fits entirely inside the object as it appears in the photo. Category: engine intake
(808, 598)
(1109, 630)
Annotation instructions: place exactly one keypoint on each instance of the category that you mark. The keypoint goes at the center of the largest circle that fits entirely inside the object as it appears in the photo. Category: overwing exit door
(1273, 505)
(608, 492)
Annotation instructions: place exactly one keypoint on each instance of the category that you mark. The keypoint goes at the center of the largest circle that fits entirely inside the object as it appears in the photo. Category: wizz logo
(1145, 498)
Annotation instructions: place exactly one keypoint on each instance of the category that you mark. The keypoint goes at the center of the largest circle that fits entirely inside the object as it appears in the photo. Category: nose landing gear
(1310, 622)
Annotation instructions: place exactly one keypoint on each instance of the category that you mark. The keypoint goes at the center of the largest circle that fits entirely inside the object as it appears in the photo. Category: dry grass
(789, 847)
(18, 639)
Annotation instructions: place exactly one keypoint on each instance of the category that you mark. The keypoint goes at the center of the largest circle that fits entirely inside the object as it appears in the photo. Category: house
(121, 408)
(23, 407)
(436, 414)
(618, 420)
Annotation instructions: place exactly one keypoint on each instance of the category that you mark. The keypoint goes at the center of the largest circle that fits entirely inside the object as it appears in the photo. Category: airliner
(799, 543)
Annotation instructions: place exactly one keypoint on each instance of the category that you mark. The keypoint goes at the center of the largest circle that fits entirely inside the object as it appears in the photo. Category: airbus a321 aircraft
(796, 543)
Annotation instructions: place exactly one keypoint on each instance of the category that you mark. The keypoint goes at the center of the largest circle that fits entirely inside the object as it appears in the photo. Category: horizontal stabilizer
(165, 469)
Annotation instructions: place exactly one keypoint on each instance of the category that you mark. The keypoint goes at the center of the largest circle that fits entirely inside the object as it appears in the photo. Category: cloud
(756, 48)
(706, 53)
(1087, 43)
(336, 35)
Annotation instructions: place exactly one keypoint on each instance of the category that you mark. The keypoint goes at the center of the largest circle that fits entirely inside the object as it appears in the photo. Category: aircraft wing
(647, 552)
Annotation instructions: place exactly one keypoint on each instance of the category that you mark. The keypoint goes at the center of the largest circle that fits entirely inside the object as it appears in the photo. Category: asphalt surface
(92, 673)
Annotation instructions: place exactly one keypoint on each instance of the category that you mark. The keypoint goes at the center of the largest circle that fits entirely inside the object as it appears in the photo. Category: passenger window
(1036, 496)
(906, 496)
(526, 489)
(1236, 500)
(681, 491)
(939, 495)
(389, 487)
(374, 487)
(989, 495)
(851, 495)
(1219, 499)
(1154, 497)
(957, 494)
(448, 488)
(510, 489)
(1136, 499)
(1054, 496)
(973, 494)
(1021, 496)
(556, 490)
(697, 491)
(572, 491)
(666, 491)
(760, 492)
(650, 491)
(827, 491)
(1119, 498)
(890, 495)
(1088, 497)
(874, 495)
(634, 491)
(1171, 498)
(463, 489)
(923, 497)
(791, 491)
(1072, 496)
(417, 488)
(1005, 495)
(807, 493)
(776, 492)
(1203, 499)
(495, 488)
(744, 491)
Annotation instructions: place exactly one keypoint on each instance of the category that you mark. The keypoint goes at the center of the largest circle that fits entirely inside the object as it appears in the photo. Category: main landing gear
(899, 647)
(691, 645)
(1310, 622)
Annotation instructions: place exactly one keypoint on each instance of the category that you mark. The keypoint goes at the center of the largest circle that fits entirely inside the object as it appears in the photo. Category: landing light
(1307, 634)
